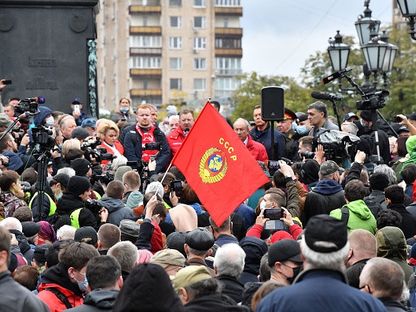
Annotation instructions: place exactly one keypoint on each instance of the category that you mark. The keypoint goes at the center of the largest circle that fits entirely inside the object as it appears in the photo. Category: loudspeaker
(272, 103)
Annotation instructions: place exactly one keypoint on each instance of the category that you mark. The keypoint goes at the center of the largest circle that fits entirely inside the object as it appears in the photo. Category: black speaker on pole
(272, 103)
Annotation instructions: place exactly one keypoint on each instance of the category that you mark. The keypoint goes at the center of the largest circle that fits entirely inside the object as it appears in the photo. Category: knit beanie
(81, 166)
(78, 185)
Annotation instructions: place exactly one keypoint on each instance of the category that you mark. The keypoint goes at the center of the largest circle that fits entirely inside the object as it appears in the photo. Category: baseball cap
(190, 275)
(328, 167)
(89, 122)
(325, 234)
(168, 257)
(350, 115)
(86, 234)
(284, 250)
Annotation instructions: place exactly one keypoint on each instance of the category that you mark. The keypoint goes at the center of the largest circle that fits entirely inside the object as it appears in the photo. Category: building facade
(169, 51)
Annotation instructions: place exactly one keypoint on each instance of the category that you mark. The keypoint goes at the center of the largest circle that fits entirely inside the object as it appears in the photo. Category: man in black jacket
(14, 297)
(145, 142)
(104, 281)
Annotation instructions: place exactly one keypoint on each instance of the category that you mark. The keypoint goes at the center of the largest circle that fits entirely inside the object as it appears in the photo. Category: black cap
(325, 234)
(403, 129)
(62, 178)
(412, 116)
(86, 234)
(81, 166)
(80, 133)
(30, 228)
(40, 253)
(284, 250)
(175, 240)
(199, 239)
(78, 185)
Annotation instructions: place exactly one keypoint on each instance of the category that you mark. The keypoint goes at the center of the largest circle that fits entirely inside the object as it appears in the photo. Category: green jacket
(360, 216)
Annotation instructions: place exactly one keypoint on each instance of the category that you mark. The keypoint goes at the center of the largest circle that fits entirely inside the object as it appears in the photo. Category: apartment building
(169, 51)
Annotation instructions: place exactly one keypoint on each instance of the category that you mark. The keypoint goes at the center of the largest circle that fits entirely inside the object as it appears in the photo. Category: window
(200, 43)
(175, 21)
(175, 63)
(175, 42)
(145, 41)
(227, 2)
(200, 63)
(145, 62)
(175, 84)
(199, 21)
(227, 43)
(200, 84)
(225, 84)
(199, 3)
(176, 3)
(228, 65)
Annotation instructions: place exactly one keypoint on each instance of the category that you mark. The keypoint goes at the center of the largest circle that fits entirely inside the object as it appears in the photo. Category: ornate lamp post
(408, 10)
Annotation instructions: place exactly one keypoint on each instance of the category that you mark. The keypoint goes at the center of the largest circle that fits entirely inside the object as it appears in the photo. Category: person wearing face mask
(123, 115)
(64, 285)
(285, 261)
(11, 192)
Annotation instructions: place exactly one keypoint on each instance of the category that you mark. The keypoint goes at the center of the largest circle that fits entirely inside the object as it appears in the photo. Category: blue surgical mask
(302, 130)
(124, 110)
(58, 196)
(263, 205)
(83, 285)
(50, 121)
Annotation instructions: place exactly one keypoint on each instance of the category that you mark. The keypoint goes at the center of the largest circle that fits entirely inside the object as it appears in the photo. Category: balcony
(229, 31)
(146, 92)
(236, 11)
(229, 52)
(153, 30)
(148, 9)
(146, 72)
(145, 51)
(228, 72)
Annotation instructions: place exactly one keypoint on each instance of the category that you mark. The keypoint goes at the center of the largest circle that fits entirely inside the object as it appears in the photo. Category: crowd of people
(109, 225)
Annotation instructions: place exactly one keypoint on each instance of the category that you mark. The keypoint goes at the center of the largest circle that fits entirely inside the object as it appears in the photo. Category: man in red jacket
(63, 285)
(178, 135)
(241, 127)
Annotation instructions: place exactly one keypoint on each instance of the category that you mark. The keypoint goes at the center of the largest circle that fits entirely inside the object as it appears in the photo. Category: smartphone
(77, 109)
(273, 213)
(7, 81)
(176, 186)
(275, 225)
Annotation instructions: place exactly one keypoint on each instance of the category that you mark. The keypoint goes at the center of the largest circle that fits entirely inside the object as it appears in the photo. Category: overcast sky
(279, 35)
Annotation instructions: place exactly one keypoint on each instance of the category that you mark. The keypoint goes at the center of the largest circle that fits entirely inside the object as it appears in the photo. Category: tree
(249, 94)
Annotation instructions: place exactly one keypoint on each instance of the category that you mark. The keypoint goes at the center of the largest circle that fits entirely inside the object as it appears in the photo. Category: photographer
(145, 142)
(71, 207)
(8, 148)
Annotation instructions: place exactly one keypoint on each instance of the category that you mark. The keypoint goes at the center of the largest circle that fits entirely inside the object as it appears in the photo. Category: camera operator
(17, 158)
(71, 207)
(141, 140)
(366, 126)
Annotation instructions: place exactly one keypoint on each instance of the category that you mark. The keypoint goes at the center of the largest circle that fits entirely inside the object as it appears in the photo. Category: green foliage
(249, 94)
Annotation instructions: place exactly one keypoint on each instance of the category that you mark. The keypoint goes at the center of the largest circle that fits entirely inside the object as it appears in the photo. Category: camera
(93, 153)
(307, 154)
(337, 145)
(154, 146)
(104, 178)
(373, 100)
(176, 186)
(398, 119)
(93, 205)
(273, 213)
(29, 105)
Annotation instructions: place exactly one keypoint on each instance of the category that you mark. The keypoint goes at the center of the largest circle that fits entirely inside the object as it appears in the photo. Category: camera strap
(345, 215)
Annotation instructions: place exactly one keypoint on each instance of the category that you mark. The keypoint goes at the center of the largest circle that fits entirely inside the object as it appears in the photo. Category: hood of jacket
(112, 204)
(327, 187)
(360, 209)
(68, 203)
(57, 277)
(102, 299)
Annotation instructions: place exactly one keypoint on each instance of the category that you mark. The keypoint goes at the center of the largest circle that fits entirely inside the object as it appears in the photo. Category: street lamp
(338, 53)
(364, 24)
(391, 53)
(408, 9)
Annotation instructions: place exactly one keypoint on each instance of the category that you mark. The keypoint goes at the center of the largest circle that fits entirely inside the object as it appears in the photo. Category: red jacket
(118, 147)
(257, 150)
(175, 139)
(294, 231)
(52, 301)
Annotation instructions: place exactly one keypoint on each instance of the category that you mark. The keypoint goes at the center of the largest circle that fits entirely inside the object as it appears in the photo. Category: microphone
(326, 96)
(335, 75)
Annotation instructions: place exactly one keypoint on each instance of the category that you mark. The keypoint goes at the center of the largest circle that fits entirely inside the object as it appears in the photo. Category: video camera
(104, 178)
(337, 145)
(29, 105)
(93, 153)
(373, 100)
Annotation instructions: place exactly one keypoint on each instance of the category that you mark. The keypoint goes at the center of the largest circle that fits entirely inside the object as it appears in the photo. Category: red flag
(217, 165)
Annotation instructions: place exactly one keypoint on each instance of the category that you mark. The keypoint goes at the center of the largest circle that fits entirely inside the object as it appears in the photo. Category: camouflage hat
(391, 242)
(328, 167)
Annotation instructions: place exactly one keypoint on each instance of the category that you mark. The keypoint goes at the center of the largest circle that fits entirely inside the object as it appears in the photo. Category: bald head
(362, 244)
(241, 127)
